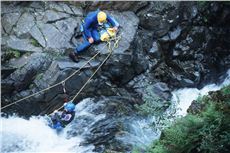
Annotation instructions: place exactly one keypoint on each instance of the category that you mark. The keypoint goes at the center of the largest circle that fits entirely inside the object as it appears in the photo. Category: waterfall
(142, 132)
(34, 134)
(183, 98)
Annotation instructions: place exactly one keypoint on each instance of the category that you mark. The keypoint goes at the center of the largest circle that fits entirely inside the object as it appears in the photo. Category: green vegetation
(153, 105)
(9, 54)
(202, 3)
(206, 130)
(35, 43)
(39, 76)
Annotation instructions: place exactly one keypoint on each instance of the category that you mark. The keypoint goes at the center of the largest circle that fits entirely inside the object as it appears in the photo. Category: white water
(183, 98)
(141, 131)
(34, 135)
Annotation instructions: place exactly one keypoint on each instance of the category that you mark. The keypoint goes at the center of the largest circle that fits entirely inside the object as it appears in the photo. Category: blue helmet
(69, 107)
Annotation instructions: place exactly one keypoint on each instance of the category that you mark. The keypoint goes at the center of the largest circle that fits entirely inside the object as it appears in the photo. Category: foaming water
(34, 135)
(143, 131)
(183, 98)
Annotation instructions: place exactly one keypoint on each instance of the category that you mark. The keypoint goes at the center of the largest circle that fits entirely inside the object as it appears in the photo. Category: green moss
(159, 148)
(226, 90)
(9, 54)
(202, 3)
(54, 55)
(153, 105)
(136, 150)
(39, 76)
(35, 43)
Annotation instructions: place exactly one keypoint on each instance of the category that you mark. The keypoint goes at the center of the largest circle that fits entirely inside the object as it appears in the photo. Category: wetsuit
(62, 119)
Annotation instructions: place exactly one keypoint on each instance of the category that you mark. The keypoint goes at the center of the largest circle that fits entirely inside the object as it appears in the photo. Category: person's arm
(112, 21)
(56, 115)
(87, 25)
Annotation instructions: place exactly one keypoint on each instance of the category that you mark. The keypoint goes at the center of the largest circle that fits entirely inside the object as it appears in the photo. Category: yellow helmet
(101, 17)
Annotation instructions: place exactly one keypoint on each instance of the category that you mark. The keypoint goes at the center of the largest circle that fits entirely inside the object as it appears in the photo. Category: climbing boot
(73, 56)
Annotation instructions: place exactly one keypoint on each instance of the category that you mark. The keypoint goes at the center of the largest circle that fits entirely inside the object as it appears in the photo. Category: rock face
(51, 33)
(186, 49)
(163, 45)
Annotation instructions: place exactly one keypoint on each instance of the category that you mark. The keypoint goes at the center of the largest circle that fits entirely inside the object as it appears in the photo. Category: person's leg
(82, 46)
(86, 44)
(96, 36)
(78, 49)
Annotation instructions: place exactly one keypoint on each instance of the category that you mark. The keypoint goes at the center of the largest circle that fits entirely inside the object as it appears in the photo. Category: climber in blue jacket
(91, 30)
(61, 119)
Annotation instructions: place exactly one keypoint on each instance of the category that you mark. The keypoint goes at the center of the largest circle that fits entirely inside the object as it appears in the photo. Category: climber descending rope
(59, 120)
(116, 39)
(108, 36)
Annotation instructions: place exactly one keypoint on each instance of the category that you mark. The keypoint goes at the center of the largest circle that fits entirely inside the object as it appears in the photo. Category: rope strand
(59, 83)
(117, 39)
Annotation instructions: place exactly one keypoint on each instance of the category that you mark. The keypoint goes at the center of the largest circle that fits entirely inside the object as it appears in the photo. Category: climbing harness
(116, 39)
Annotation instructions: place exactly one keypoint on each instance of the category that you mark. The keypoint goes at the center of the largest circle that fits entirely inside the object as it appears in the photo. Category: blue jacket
(91, 22)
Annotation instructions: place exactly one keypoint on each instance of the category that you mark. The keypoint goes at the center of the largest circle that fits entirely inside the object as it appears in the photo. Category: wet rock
(152, 17)
(103, 132)
(65, 65)
(22, 77)
(6, 71)
(7, 86)
(150, 90)
(186, 82)
(9, 20)
(162, 90)
(188, 11)
(113, 5)
(154, 51)
(69, 9)
(103, 121)
(67, 26)
(22, 45)
(52, 16)
(143, 41)
(10, 7)
(38, 36)
(120, 74)
(24, 25)
(54, 38)
(175, 34)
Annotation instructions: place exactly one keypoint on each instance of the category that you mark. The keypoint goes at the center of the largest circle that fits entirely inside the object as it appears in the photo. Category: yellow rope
(63, 81)
(52, 85)
(117, 39)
